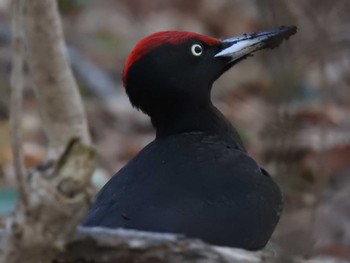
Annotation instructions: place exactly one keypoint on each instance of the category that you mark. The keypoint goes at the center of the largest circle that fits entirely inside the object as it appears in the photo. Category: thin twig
(16, 97)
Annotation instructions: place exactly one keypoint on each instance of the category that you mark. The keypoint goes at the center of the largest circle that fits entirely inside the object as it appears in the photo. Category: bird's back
(199, 184)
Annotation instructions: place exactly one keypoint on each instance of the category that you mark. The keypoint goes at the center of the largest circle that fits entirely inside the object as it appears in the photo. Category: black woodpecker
(196, 177)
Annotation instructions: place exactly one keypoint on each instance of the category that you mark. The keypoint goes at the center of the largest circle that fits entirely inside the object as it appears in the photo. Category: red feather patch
(152, 41)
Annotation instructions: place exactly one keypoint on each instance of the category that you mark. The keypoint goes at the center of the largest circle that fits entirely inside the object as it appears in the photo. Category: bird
(195, 178)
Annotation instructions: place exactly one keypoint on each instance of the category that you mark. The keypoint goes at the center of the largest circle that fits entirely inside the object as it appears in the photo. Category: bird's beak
(241, 46)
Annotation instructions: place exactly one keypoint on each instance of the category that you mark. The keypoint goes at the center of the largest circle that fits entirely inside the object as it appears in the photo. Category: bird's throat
(190, 118)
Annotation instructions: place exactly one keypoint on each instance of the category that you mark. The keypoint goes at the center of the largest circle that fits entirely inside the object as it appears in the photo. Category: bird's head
(169, 68)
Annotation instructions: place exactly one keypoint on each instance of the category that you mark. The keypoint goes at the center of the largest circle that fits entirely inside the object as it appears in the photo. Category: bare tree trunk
(59, 101)
(54, 199)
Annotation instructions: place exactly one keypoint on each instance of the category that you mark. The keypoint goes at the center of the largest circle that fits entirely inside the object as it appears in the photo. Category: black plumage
(196, 177)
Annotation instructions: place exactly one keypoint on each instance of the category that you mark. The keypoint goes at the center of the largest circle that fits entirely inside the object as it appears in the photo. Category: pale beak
(241, 46)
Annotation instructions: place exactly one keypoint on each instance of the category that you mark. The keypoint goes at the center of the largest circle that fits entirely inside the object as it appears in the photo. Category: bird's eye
(196, 50)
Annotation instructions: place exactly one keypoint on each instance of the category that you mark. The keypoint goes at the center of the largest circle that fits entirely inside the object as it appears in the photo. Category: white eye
(196, 50)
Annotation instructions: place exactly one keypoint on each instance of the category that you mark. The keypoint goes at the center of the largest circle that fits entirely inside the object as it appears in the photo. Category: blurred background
(291, 105)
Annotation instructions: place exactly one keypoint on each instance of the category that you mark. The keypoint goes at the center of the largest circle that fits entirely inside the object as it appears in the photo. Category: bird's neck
(190, 118)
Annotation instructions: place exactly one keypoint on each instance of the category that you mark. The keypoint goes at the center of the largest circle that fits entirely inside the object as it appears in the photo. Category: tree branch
(16, 98)
(104, 245)
(59, 101)
(57, 198)
(57, 202)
